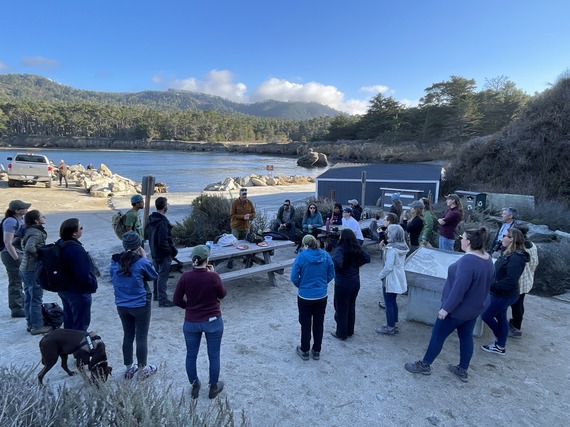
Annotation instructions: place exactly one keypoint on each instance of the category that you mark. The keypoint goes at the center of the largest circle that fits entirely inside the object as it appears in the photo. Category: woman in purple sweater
(199, 292)
(463, 299)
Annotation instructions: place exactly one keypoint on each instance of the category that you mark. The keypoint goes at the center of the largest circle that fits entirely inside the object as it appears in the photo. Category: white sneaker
(130, 372)
(148, 371)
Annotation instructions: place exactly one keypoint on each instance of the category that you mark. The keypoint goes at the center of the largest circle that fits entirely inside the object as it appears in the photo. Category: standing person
(242, 212)
(130, 271)
(11, 254)
(312, 271)
(347, 258)
(349, 222)
(462, 300)
(525, 284)
(393, 277)
(80, 277)
(63, 170)
(312, 221)
(199, 292)
(416, 225)
(427, 232)
(508, 215)
(34, 237)
(449, 222)
(356, 209)
(133, 221)
(505, 290)
(159, 234)
(396, 207)
(285, 221)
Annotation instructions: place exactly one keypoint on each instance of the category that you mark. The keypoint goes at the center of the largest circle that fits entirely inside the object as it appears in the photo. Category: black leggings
(517, 310)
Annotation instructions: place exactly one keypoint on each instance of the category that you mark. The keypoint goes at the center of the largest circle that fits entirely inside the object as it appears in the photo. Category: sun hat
(18, 204)
(131, 241)
(136, 198)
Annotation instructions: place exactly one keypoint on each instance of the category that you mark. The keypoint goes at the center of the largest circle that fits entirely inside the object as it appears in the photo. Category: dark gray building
(343, 182)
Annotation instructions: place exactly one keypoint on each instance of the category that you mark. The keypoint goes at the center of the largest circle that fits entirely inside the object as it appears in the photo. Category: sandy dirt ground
(360, 381)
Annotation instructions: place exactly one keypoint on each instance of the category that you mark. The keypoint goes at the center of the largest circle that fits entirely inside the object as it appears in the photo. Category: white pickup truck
(28, 168)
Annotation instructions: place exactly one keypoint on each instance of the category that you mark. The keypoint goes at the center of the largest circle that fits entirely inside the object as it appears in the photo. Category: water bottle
(328, 224)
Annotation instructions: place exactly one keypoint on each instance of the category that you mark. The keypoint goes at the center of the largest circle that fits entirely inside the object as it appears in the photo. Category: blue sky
(339, 53)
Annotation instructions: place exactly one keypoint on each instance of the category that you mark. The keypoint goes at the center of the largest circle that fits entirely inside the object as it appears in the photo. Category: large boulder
(312, 159)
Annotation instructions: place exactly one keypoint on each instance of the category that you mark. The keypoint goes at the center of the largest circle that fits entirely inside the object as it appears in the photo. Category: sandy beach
(360, 381)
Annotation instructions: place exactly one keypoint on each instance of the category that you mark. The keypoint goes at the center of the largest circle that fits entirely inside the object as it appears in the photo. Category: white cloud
(216, 82)
(221, 83)
(39, 62)
(374, 89)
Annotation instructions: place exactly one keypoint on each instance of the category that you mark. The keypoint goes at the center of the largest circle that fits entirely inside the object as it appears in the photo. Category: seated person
(349, 222)
(356, 209)
(335, 219)
(312, 221)
(285, 222)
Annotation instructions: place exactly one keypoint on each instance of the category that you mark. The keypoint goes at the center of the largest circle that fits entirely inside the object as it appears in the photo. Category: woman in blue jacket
(348, 257)
(505, 290)
(312, 221)
(312, 271)
(130, 272)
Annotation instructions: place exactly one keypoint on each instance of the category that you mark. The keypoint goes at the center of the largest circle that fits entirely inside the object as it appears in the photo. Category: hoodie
(159, 234)
(312, 271)
(508, 270)
(393, 270)
(132, 291)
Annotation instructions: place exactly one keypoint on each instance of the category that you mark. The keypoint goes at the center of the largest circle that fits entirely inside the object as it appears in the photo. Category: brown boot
(215, 389)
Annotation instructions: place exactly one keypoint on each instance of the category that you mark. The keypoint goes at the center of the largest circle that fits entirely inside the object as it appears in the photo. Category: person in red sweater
(199, 292)
(449, 222)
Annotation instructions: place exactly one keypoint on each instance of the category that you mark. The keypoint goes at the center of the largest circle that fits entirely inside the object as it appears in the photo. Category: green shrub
(121, 403)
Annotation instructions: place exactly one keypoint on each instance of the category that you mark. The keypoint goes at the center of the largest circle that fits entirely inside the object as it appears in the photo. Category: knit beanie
(131, 241)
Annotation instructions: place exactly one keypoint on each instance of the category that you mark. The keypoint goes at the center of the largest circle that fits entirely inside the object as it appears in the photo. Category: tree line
(450, 111)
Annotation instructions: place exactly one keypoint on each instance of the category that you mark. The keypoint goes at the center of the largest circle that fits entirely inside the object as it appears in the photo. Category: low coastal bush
(120, 403)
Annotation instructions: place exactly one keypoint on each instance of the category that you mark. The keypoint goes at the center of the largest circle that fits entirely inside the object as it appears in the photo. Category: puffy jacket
(158, 231)
(78, 268)
(312, 271)
(508, 270)
(132, 291)
(393, 270)
(34, 238)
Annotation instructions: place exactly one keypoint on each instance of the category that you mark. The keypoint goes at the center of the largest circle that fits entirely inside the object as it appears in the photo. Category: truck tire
(11, 183)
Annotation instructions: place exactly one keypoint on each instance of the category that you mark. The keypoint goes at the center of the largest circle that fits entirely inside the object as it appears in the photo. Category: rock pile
(258, 181)
(312, 159)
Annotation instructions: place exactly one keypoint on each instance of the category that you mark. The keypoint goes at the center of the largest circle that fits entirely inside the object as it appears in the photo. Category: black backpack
(50, 273)
(52, 314)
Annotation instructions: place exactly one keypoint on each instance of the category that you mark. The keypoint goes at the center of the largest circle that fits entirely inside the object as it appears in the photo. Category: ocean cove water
(181, 171)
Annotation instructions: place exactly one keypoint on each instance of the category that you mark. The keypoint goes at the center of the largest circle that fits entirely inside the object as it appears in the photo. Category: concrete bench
(271, 268)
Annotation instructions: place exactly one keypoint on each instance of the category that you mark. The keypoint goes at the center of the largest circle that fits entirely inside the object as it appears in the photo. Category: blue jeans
(391, 307)
(76, 310)
(446, 244)
(442, 329)
(163, 269)
(495, 315)
(33, 299)
(193, 335)
(135, 324)
(289, 227)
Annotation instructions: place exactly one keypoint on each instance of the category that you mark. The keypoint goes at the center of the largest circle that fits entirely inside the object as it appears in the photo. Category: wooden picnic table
(220, 255)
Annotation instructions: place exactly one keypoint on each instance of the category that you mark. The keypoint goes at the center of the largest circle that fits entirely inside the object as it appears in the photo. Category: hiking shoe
(195, 390)
(147, 372)
(382, 305)
(302, 354)
(514, 332)
(166, 303)
(316, 354)
(41, 330)
(493, 348)
(386, 330)
(216, 389)
(418, 367)
(130, 372)
(459, 372)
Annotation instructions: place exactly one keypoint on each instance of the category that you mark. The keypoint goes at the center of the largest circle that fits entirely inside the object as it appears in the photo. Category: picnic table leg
(270, 274)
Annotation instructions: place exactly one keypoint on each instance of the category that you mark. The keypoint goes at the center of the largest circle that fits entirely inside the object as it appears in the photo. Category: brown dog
(87, 348)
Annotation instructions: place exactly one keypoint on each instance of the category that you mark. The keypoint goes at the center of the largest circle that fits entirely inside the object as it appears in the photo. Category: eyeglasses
(312, 207)
(41, 216)
(286, 204)
(507, 236)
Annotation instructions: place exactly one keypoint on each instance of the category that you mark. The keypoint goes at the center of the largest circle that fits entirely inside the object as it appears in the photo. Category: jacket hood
(524, 254)
(156, 217)
(314, 256)
(400, 247)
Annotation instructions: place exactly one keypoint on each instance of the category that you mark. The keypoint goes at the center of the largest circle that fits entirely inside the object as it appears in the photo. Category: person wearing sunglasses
(285, 221)
(505, 290)
(242, 212)
(312, 221)
(80, 277)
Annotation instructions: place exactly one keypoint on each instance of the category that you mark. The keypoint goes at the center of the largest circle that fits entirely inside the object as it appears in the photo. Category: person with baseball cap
(356, 209)
(133, 220)
(449, 222)
(11, 254)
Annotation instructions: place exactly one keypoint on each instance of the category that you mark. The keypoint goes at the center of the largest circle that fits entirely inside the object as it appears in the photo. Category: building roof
(383, 171)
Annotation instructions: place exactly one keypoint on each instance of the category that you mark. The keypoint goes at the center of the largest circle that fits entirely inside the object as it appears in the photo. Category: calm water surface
(181, 171)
